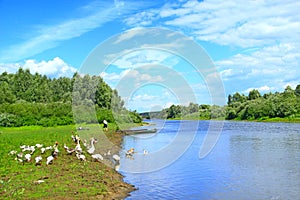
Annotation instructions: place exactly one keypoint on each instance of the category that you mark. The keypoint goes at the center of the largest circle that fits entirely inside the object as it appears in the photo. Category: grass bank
(67, 177)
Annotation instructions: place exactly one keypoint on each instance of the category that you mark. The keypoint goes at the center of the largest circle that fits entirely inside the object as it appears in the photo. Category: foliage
(254, 106)
(32, 99)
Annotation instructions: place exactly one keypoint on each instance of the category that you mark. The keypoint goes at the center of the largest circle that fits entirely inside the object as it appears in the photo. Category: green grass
(67, 177)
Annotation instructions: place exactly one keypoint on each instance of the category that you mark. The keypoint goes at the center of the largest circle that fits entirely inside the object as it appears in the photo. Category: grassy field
(67, 177)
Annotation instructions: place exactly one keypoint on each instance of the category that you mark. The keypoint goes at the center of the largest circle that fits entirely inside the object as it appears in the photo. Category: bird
(20, 160)
(69, 150)
(55, 152)
(116, 157)
(78, 148)
(81, 156)
(49, 160)
(38, 160)
(39, 145)
(27, 157)
(13, 152)
(91, 150)
(145, 152)
(43, 150)
(97, 157)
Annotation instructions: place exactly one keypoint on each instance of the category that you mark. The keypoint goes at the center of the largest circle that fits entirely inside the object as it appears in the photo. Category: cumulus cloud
(52, 68)
(266, 32)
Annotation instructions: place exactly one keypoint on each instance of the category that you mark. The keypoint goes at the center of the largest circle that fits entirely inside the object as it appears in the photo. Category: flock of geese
(26, 153)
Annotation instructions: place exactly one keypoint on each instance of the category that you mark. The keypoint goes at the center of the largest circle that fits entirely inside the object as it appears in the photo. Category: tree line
(254, 106)
(33, 99)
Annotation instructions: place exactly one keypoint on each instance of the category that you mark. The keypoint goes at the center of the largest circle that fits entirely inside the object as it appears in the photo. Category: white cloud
(262, 89)
(232, 23)
(50, 36)
(52, 68)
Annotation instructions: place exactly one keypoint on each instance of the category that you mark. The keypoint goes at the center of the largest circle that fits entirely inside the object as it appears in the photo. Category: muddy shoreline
(122, 189)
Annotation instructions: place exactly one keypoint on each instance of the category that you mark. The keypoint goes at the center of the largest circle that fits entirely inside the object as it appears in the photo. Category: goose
(39, 181)
(78, 148)
(117, 167)
(97, 157)
(91, 150)
(49, 160)
(43, 150)
(116, 157)
(49, 148)
(85, 143)
(38, 160)
(13, 152)
(80, 156)
(20, 155)
(69, 150)
(55, 151)
(130, 152)
(27, 157)
(20, 160)
(108, 153)
(145, 152)
(39, 145)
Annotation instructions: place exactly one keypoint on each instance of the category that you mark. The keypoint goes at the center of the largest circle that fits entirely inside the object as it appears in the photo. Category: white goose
(78, 148)
(97, 157)
(91, 150)
(49, 160)
(116, 158)
(27, 157)
(38, 160)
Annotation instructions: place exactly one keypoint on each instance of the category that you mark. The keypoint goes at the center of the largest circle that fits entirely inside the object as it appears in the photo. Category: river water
(250, 160)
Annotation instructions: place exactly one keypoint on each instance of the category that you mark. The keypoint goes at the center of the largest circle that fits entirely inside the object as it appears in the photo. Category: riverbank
(67, 177)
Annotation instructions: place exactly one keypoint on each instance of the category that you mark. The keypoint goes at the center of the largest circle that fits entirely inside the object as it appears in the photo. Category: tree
(254, 94)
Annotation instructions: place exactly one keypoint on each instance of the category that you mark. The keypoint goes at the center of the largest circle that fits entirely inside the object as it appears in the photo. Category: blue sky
(253, 45)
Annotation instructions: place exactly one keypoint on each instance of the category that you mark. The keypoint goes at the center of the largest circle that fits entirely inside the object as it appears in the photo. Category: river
(251, 160)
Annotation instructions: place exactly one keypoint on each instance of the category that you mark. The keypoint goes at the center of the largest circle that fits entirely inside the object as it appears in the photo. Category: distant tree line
(240, 107)
(34, 99)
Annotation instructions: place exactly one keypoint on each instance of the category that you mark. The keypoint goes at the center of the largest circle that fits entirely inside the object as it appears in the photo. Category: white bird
(13, 152)
(20, 160)
(22, 146)
(43, 150)
(55, 151)
(39, 181)
(49, 148)
(38, 160)
(117, 167)
(91, 150)
(97, 157)
(39, 145)
(107, 154)
(145, 152)
(20, 155)
(69, 150)
(27, 157)
(49, 160)
(78, 148)
(81, 157)
(116, 157)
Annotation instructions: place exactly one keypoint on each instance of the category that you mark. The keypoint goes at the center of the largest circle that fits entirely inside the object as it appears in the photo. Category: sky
(252, 44)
